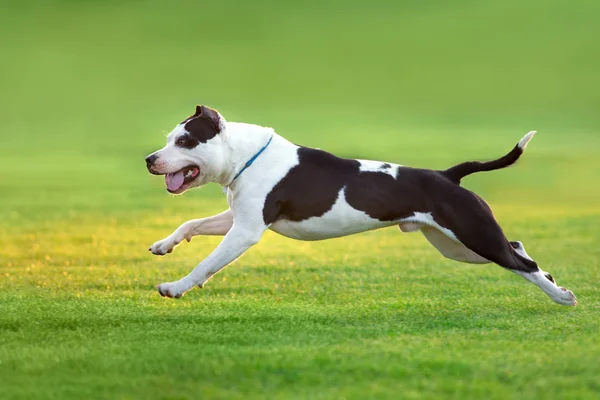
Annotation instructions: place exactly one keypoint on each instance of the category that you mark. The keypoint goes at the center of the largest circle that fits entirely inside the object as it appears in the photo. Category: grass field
(89, 88)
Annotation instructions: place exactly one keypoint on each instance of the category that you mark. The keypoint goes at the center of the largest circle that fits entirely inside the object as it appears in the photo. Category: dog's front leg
(237, 241)
(218, 224)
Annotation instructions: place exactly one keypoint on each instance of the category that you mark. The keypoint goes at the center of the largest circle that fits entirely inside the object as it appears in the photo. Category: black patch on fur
(515, 245)
(550, 278)
(187, 141)
(311, 188)
(389, 198)
(385, 166)
(203, 125)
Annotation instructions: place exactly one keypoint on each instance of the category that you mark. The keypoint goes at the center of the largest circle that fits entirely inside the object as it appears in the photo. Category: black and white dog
(309, 194)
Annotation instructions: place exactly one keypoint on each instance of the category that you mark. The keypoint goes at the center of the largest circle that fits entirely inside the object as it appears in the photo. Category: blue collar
(254, 157)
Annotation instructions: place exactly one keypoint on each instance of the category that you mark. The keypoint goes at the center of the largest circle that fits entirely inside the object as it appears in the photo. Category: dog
(310, 194)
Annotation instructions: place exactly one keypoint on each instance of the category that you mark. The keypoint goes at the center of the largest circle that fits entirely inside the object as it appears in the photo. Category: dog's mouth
(179, 181)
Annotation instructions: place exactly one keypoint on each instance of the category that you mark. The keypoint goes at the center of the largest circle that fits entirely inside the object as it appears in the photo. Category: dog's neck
(243, 142)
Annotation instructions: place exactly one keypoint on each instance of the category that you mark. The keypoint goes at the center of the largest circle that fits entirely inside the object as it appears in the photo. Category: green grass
(89, 88)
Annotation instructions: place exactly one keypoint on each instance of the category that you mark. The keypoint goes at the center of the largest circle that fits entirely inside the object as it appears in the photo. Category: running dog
(310, 194)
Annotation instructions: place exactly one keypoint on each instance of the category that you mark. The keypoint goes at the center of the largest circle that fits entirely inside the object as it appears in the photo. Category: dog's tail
(456, 173)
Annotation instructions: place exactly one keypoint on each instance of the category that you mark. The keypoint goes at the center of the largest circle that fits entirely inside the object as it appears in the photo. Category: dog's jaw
(182, 180)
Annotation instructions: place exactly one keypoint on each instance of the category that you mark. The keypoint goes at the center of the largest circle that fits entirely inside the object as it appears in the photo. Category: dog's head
(194, 154)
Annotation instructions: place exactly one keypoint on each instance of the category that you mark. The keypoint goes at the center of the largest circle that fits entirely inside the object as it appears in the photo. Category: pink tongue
(174, 181)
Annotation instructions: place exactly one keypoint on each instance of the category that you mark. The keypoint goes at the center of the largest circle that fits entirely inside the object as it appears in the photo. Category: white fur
(443, 239)
(525, 140)
(427, 220)
(375, 166)
(217, 225)
(558, 294)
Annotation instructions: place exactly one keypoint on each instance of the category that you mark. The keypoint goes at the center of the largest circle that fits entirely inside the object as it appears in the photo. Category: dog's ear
(208, 113)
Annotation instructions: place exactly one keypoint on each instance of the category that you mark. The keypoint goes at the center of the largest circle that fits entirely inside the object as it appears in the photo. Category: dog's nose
(150, 160)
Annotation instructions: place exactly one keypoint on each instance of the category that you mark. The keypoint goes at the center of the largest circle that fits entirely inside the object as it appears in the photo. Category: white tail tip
(523, 142)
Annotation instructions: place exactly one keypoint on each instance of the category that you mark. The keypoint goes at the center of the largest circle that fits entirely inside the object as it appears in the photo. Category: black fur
(202, 126)
(456, 173)
(309, 189)
(187, 141)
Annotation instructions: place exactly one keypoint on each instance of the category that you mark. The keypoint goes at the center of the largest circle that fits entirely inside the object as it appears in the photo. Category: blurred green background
(89, 88)
(95, 85)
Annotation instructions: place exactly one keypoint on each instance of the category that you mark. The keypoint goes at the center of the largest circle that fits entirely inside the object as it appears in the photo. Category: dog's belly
(341, 220)
(319, 228)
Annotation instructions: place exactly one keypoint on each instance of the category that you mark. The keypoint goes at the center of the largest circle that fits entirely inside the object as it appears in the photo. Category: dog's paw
(170, 289)
(566, 297)
(165, 246)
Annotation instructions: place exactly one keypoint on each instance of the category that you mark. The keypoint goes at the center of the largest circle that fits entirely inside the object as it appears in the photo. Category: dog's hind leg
(218, 224)
(451, 248)
(447, 246)
(520, 249)
(466, 216)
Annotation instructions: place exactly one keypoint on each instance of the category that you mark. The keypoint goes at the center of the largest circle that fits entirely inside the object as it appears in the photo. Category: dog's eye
(181, 142)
